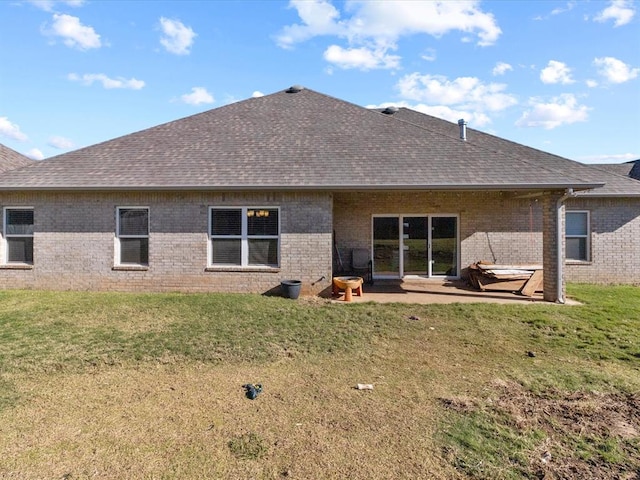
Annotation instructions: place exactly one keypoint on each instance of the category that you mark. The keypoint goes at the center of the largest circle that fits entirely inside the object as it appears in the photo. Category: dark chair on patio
(361, 264)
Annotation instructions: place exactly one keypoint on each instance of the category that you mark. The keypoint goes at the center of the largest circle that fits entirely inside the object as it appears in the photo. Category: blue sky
(560, 76)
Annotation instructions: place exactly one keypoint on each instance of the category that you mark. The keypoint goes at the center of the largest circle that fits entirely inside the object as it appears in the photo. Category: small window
(577, 236)
(133, 236)
(18, 234)
(245, 236)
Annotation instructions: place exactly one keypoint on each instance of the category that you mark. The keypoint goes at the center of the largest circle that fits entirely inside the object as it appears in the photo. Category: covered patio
(437, 235)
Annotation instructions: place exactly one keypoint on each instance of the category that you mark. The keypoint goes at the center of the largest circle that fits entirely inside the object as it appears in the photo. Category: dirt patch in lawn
(577, 435)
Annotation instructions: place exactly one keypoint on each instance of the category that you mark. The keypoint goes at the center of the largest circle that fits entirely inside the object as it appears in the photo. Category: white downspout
(560, 293)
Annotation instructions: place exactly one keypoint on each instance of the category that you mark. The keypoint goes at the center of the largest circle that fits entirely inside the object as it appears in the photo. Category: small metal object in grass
(252, 391)
(364, 386)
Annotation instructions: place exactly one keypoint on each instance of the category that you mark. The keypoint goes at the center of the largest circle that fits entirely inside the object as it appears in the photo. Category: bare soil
(582, 416)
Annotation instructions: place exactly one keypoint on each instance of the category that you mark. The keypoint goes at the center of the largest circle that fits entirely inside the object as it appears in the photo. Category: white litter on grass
(364, 386)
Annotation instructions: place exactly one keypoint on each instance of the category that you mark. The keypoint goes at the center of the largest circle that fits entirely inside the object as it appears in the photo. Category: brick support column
(550, 229)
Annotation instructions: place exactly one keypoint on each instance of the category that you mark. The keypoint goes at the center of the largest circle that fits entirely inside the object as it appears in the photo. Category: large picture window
(132, 236)
(245, 236)
(577, 236)
(18, 235)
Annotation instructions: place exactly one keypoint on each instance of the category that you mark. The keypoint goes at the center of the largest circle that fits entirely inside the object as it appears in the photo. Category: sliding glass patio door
(386, 246)
(415, 242)
(444, 246)
(415, 245)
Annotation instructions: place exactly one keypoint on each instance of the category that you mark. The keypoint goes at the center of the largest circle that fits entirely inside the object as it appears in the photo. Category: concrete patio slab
(426, 291)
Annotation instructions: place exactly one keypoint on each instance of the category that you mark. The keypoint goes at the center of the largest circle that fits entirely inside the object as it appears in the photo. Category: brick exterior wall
(493, 226)
(615, 241)
(552, 224)
(74, 242)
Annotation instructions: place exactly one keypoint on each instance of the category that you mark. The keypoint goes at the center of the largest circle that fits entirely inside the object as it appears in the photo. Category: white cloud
(557, 11)
(177, 38)
(48, 5)
(464, 92)
(562, 110)
(501, 68)
(620, 11)
(614, 70)
(556, 72)
(392, 20)
(198, 96)
(377, 26)
(591, 83)
(569, 6)
(609, 158)
(362, 58)
(11, 130)
(73, 33)
(257, 94)
(35, 154)
(446, 113)
(429, 55)
(318, 17)
(60, 143)
(476, 119)
(108, 83)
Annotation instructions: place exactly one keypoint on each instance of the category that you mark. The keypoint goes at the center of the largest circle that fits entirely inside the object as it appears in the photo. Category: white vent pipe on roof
(463, 129)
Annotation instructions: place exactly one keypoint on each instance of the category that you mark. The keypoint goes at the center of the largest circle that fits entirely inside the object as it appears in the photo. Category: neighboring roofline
(226, 188)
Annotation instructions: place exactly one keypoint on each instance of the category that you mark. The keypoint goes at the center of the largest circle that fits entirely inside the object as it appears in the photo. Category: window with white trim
(577, 230)
(244, 236)
(132, 234)
(18, 235)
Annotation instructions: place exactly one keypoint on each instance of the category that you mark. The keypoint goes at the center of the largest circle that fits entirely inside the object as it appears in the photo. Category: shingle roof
(635, 170)
(618, 168)
(295, 141)
(10, 159)
(614, 184)
(628, 169)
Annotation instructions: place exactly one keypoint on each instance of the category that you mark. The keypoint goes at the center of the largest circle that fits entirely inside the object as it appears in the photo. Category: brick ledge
(16, 266)
(129, 268)
(243, 269)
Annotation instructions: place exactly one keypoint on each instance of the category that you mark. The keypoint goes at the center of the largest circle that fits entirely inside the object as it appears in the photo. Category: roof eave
(340, 187)
(608, 195)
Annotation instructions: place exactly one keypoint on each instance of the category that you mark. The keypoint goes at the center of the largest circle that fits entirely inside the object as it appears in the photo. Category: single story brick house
(287, 185)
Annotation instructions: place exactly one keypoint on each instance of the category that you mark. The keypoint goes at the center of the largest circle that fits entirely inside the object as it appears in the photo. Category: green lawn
(112, 385)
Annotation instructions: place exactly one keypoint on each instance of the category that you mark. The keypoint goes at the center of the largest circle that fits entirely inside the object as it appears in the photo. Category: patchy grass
(105, 385)
(248, 446)
(514, 433)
